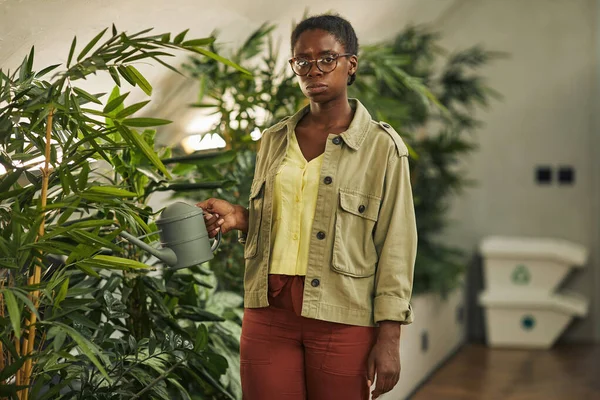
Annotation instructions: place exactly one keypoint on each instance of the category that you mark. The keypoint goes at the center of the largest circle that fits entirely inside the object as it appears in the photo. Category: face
(321, 86)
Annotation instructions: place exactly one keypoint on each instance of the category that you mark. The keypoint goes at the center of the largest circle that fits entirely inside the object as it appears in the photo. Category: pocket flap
(360, 204)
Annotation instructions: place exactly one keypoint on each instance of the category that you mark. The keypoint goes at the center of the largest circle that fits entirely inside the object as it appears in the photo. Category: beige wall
(545, 118)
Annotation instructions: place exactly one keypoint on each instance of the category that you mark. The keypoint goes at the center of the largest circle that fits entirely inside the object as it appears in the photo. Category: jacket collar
(354, 136)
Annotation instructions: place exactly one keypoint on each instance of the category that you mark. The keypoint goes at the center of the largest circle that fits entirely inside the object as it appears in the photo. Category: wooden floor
(567, 372)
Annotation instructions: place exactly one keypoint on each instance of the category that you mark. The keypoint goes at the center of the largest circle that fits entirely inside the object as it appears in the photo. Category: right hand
(219, 215)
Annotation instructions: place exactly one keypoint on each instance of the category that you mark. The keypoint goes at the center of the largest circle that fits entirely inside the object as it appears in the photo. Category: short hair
(340, 28)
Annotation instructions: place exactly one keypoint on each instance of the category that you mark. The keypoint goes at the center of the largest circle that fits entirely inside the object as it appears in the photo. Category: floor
(567, 372)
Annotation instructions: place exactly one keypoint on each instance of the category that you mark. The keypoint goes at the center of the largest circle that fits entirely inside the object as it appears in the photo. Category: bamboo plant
(80, 312)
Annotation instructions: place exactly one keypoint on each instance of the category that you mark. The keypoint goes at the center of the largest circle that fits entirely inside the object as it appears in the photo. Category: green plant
(83, 315)
(440, 137)
(428, 97)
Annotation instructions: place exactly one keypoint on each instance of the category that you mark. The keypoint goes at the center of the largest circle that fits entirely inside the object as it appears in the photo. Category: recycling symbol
(528, 322)
(521, 275)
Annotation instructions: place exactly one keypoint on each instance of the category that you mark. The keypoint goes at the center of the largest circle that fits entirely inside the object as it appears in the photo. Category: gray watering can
(183, 237)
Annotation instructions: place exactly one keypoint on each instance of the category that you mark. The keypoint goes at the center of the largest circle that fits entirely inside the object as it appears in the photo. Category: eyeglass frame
(315, 61)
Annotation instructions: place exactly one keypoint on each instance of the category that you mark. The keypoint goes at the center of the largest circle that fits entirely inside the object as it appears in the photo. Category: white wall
(545, 118)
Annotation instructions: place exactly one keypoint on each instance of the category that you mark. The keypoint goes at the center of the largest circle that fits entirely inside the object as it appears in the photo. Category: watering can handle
(216, 243)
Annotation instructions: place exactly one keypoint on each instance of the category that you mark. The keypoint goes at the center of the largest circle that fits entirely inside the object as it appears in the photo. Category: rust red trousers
(288, 357)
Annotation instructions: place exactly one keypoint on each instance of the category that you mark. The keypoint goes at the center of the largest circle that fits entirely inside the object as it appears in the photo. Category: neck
(333, 113)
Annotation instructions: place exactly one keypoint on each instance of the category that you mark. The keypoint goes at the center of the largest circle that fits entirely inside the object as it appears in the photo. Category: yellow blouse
(295, 200)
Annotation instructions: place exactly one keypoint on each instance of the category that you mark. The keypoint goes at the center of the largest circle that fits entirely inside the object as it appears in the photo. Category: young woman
(330, 237)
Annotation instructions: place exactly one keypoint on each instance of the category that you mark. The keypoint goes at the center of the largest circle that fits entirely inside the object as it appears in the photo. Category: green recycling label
(528, 322)
(521, 275)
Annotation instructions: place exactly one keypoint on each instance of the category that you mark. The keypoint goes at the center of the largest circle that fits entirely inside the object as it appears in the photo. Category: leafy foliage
(83, 315)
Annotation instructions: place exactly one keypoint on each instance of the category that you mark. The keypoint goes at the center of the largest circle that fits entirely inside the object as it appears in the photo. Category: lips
(316, 87)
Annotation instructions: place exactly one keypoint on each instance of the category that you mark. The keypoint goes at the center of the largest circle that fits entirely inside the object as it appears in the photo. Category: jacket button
(385, 125)
(337, 140)
(315, 283)
(321, 235)
(361, 209)
(328, 180)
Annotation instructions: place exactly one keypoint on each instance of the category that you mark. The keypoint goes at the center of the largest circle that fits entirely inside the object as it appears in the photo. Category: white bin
(529, 263)
(533, 319)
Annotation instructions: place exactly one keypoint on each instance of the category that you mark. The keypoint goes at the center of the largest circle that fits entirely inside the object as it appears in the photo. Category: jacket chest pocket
(255, 208)
(354, 252)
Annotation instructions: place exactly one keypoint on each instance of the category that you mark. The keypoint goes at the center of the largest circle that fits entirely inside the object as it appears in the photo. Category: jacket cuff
(390, 308)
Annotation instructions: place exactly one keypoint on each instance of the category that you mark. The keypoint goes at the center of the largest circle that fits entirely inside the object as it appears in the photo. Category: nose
(314, 70)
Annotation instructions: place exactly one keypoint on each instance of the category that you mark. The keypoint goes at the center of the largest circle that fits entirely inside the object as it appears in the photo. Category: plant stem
(36, 278)
(2, 364)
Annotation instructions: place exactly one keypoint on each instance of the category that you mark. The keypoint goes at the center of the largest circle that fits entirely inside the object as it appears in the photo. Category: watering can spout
(166, 255)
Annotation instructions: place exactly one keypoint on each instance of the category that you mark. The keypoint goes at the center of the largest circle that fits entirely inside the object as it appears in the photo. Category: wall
(545, 118)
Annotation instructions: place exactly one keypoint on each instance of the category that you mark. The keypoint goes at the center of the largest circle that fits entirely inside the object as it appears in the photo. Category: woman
(330, 237)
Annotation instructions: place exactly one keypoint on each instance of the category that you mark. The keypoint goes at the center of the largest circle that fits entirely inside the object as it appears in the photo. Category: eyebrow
(320, 53)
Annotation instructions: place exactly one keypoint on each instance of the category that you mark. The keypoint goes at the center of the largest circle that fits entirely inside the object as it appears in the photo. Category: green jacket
(364, 239)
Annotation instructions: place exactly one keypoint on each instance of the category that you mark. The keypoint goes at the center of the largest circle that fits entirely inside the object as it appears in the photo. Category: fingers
(385, 383)
(370, 370)
(213, 224)
(206, 205)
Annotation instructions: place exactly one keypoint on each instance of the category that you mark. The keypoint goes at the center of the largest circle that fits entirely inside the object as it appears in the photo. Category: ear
(353, 60)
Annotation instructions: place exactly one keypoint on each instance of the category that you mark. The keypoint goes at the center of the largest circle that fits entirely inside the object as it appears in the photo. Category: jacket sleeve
(395, 239)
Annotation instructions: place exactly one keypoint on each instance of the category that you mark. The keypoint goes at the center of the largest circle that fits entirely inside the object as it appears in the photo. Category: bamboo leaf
(46, 70)
(111, 262)
(198, 42)
(27, 302)
(115, 75)
(110, 191)
(87, 95)
(139, 79)
(91, 44)
(14, 311)
(88, 270)
(217, 57)
(30, 61)
(141, 144)
(87, 347)
(83, 176)
(8, 180)
(71, 51)
(145, 122)
(127, 111)
(126, 74)
(62, 293)
(179, 38)
(113, 104)
(12, 369)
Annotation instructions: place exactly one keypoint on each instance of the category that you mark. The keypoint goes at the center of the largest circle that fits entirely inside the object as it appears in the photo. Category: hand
(220, 215)
(384, 359)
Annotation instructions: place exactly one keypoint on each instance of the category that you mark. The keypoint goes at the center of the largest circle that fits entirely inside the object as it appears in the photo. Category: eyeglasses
(302, 66)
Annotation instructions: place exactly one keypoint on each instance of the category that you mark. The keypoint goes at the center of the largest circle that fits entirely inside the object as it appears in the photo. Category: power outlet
(543, 175)
(566, 175)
